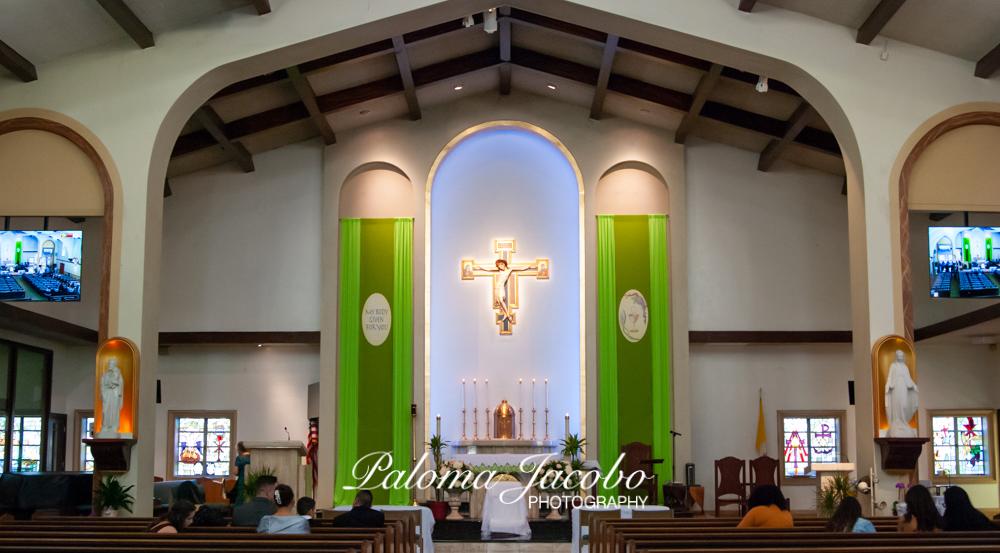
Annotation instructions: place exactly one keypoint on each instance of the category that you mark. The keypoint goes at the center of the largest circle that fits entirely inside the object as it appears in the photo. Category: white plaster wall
(768, 251)
(724, 385)
(241, 251)
(506, 183)
(267, 387)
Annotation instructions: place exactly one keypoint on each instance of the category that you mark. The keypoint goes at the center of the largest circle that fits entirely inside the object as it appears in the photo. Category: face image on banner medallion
(376, 319)
(633, 315)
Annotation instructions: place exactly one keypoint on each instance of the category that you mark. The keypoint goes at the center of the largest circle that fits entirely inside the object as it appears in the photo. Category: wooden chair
(764, 471)
(730, 478)
(638, 458)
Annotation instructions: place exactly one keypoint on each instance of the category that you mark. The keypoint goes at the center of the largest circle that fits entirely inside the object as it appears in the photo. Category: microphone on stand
(289, 436)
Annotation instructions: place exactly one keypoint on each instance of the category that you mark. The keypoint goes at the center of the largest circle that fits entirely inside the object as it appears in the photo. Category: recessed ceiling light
(364, 112)
(459, 87)
(551, 86)
(260, 345)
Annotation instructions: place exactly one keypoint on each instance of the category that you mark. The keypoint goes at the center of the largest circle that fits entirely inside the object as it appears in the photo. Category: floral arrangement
(559, 475)
(829, 497)
(455, 475)
(511, 469)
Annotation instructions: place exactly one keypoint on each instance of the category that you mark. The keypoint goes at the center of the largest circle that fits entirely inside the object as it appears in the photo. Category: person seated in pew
(179, 517)
(204, 515)
(768, 509)
(306, 507)
(285, 520)
(361, 514)
(250, 513)
(961, 516)
(921, 512)
(847, 518)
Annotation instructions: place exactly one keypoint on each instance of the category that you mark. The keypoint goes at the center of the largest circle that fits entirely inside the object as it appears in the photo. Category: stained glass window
(26, 444)
(961, 445)
(808, 439)
(86, 431)
(202, 444)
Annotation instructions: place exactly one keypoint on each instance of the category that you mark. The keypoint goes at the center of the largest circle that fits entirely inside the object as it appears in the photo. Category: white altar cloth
(426, 522)
(477, 459)
(509, 518)
(580, 533)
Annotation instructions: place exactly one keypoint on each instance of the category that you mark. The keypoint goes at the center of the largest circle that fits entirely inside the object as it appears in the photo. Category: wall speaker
(689, 474)
(850, 392)
(159, 395)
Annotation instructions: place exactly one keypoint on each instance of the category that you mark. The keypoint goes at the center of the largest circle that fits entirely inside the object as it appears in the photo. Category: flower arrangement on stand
(456, 479)
(828, 498)
(559, 478)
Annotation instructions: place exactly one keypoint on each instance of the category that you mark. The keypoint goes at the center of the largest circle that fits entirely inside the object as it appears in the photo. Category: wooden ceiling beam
(250, 338)
(747, 5)
(769, 336)
(988, 64)
(799, 120)
(263, 7)
(308, 97)
(217, 128)
(505, 42)
(960, 322)
(701, 94)
(406, 75)
(17, 64)
(938, 217)
(603, 75)
(877, 20)
(128, 21)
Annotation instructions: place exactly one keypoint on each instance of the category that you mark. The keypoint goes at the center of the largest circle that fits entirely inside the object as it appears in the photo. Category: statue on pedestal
(901, 399)
(112, 384)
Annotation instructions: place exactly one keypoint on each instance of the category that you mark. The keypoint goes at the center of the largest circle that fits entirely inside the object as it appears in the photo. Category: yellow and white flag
(761, 428)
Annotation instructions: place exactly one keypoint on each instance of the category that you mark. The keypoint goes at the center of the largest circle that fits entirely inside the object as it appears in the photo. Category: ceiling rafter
(406, 75)
(747, 5)
(217, 128)
(551, 65)
(505, 42)
(796, 124)
(701, 94)
(17, 64)
(988, 64)
(308, 96)
(877, 20)
(263, 7)
(603, 75)
(129, 22)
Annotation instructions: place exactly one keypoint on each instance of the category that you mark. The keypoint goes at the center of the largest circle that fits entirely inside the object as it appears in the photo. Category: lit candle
(520, 392)
(475, 396)
(532, 394)
(546, 394)
(487, 393)
(439, 425)
(567, 424)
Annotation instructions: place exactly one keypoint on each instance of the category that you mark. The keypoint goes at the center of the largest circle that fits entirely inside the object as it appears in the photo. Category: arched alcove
(497, 185)
(376, 190)
(632, 188)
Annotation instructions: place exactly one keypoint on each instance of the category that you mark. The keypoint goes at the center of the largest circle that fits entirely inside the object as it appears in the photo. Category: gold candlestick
(488, 435)
(520, 423)
(546, 424)
(532, 424)
(463, 423)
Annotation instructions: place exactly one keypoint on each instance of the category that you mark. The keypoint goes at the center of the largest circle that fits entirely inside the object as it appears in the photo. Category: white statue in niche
(111, 399)
(901, 399)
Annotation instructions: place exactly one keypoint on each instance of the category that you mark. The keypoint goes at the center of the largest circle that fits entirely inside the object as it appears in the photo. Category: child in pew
(285, 520)
(306, 507)
(847, 518)
(768, 509)
(921, 513)
(179, 517)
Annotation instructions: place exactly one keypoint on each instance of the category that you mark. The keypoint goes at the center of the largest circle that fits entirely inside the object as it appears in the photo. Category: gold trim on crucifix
(505, 273)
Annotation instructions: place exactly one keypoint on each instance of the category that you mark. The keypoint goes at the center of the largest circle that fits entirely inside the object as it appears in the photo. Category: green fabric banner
(375, 258)
(634, 352)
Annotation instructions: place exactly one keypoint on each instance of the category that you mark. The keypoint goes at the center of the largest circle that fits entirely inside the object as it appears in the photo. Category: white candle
(439, 425)
(520, 392)
(567, 424)
(463, 394)
(546, 394)
(475, 396)
(487, 393)
(532, 394)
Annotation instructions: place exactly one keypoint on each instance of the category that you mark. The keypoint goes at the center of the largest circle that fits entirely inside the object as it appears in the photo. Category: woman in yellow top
(768, 509)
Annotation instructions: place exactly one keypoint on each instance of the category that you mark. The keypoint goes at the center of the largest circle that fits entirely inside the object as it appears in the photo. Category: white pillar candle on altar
(475, 396)
(532, 394)
(567, 424)
(546, 394)
(520, 393)
(439, 425)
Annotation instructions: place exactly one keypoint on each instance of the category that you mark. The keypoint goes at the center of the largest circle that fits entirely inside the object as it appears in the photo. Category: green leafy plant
(112, 495)
(572, 446)
(828, 498)
(253, 476)
(437, 446)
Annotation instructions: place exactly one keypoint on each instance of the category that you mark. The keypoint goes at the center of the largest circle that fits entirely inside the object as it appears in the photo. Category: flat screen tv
(964, 262)
(40, 265)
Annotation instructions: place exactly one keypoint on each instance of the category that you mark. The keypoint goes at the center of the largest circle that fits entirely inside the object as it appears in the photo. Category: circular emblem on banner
(633, 315)
(376, 319)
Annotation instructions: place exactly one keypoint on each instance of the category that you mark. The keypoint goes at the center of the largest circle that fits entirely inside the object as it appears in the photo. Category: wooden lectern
(284, 457)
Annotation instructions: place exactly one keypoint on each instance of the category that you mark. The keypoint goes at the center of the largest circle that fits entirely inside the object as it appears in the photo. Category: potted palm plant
(572, 447)
(250, 487)
(438, 506)
(112, 497)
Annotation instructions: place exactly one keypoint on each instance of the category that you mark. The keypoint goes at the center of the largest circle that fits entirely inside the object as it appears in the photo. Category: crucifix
(505, 273)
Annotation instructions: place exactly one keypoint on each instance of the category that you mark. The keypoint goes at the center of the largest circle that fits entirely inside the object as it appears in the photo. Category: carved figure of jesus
(501, 283)
(901, 399)
(111, 398)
